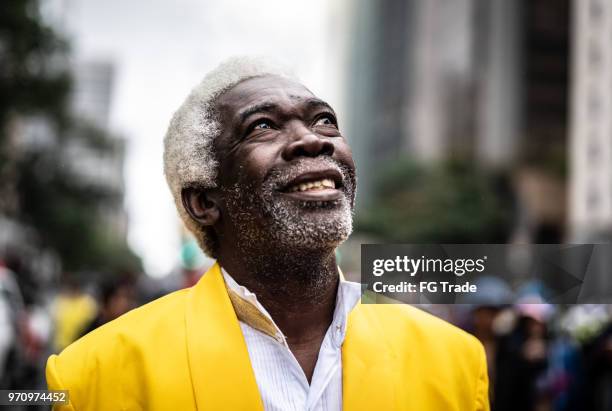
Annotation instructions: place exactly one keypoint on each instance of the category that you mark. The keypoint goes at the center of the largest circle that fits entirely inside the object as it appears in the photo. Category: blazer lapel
(219, 362)
(369, 367)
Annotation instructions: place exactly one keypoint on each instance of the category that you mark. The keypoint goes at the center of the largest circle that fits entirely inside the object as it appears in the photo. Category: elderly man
(266, 182)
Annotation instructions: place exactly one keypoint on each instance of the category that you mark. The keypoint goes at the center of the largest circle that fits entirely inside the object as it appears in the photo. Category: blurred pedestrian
(73, 309)
(116, 298)
(522, 360)
(486, 315)
(598, 371)
(11, 311)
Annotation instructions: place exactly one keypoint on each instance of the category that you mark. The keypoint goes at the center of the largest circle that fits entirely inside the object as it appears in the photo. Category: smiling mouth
(317, 186)
(323, 184)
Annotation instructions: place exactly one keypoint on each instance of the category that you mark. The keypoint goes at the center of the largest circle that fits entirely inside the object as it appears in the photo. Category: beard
(267, 221)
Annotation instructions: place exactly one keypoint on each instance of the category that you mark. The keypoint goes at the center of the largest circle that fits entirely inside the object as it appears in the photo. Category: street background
(471, 121)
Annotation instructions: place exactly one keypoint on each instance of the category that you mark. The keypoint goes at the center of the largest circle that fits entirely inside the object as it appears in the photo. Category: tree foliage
(32, 75)
(451, 202)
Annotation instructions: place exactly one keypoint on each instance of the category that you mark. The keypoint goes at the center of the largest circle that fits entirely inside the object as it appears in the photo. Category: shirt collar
(250, 311)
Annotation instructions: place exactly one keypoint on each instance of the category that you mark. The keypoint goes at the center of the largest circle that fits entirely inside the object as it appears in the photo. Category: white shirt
(281, 381)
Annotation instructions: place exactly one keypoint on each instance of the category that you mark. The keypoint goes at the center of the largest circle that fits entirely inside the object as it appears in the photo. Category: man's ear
(201, 205)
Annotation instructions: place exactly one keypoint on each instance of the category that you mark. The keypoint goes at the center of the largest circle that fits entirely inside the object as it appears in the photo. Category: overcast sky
(161, 49)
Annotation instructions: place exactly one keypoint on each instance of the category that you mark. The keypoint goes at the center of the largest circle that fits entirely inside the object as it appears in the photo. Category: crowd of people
(34, 326)
(543, 357)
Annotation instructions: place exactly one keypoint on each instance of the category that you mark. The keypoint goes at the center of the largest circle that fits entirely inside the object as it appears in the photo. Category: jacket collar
(219, 362)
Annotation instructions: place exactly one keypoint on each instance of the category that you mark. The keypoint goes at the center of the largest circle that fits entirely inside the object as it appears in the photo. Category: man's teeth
(314, 185)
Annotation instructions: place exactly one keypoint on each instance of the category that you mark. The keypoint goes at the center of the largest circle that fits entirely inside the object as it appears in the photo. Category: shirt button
(337, 335)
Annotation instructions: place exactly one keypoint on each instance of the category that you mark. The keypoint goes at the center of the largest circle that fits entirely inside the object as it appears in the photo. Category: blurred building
(92, 91)
(483, 80)
(590, 215)
(91, 103)
(591, 125)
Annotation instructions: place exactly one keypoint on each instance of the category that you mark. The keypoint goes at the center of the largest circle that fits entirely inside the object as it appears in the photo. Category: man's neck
(298, 290)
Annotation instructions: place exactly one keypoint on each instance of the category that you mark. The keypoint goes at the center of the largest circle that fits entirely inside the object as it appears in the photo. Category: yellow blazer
(185, 351)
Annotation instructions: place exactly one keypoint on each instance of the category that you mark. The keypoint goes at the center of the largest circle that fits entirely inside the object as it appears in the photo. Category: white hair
(189, 158)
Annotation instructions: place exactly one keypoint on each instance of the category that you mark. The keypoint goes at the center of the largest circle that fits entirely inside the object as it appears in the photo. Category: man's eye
(259, 126)
(325, 121)
(262, 125)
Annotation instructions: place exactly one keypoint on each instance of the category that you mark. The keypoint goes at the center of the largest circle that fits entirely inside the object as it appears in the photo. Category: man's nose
(306, 143)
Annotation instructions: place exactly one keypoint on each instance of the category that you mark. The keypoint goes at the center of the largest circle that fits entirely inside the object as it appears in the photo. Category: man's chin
(311, 224)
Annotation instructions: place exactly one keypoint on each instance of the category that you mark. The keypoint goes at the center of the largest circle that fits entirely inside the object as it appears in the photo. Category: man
(266, 182)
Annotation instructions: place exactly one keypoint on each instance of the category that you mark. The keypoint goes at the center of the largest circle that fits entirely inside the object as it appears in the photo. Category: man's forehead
(260, 91)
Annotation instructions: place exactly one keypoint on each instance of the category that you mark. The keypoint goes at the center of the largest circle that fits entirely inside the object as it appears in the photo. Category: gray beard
(296, 235)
